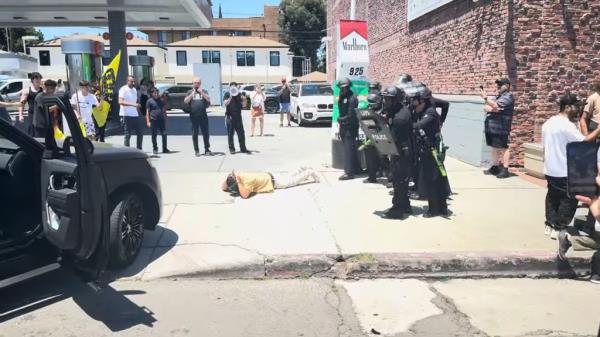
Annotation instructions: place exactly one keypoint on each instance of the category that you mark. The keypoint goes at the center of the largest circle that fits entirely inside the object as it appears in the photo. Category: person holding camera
(498, 123)
(557, 132)
(285, 100)
(198, 101)
(233, 118)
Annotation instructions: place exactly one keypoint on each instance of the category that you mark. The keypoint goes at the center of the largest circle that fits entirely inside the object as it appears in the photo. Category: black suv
(77, 202)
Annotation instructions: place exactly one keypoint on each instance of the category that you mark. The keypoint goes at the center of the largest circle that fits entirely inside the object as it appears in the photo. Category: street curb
(405, 265)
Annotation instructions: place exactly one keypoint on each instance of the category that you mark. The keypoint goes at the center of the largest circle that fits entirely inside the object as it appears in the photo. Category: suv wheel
(299, 118)
(126, 229)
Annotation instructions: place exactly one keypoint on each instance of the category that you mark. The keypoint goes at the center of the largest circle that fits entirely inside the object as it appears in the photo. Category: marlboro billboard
(352, 50)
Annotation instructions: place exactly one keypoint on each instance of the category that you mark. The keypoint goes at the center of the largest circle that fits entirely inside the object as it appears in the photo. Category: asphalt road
(59, 304)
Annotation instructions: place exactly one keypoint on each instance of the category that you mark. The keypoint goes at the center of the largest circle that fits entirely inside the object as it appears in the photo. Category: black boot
(503, 174)
(492, 171)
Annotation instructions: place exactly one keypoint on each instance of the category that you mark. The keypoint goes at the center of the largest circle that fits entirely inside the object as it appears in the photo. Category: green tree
(15, 34)
(303, 24)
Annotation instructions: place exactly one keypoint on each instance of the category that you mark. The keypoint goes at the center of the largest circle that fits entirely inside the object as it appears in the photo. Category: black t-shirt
(234, 109)
(284, 97)
(198, 104)
(156, 107)
(40, 116)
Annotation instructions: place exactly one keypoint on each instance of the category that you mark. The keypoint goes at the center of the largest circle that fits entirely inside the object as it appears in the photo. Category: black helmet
(375, 85)
(391, 92)
(404, 78)
(424, 93)
(374, 98)
(344, 82)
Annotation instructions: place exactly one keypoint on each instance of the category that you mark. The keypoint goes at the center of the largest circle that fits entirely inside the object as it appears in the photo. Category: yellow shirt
(592, 107)
(256, 182)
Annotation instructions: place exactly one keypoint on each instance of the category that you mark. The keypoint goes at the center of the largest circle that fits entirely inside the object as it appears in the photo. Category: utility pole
(7, 39)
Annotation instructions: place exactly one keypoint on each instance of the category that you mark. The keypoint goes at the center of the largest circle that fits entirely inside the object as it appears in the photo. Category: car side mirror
(4, 91)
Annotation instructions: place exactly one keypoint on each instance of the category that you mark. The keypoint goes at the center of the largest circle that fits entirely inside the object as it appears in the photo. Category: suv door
(74, 210)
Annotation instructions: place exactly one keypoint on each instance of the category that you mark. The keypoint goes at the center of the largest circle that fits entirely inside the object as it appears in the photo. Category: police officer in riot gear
(401, 128)
(348, 121)
(374, 88)
(432, 175)
(372, 157)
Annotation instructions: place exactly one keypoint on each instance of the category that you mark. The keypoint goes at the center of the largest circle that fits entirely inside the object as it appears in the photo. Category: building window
(274, 58)
(239, 33)
(44, 58)
(181, 58)
(245, 59)
(162, 38)
(186, 35)
(211, 56)
(142, 52)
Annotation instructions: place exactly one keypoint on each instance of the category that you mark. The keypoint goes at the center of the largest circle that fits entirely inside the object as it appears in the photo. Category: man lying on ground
(246, 184)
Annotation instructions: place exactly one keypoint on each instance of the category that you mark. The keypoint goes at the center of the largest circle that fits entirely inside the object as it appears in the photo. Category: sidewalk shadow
(214, 154)
(110, 306)
(153, 240)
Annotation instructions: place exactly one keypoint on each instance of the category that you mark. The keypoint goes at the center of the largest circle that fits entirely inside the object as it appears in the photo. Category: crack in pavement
(325, 222)
(451, 322)
(334, 299)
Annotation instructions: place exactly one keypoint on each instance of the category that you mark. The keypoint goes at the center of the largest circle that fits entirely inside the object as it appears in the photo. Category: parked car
(312, 103)
(10, 89)
(72, 201)
(272, 98)
(175, 94)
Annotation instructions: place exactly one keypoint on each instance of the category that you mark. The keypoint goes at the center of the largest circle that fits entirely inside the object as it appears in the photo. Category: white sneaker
(547, 230)
(554, 234)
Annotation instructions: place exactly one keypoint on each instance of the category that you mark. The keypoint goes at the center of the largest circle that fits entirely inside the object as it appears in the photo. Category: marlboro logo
(354, 46)
(348, 27)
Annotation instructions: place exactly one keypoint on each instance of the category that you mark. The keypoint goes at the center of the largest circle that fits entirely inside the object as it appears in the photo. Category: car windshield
(317, 90)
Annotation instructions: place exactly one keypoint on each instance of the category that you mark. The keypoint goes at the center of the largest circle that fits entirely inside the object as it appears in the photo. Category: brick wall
(540, 45)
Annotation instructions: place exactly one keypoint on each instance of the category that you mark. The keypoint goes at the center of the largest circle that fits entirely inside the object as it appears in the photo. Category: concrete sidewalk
(333, 228)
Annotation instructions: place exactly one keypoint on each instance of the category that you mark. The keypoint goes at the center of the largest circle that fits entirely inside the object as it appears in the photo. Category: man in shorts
(498, 123)
(285, 99)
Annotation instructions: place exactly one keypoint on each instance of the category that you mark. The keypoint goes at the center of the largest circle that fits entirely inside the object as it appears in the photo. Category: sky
(231, 9)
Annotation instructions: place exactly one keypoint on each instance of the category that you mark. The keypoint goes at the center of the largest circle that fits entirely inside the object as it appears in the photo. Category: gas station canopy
(90, 13)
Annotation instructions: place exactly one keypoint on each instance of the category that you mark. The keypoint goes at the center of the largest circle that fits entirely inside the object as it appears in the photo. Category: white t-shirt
(557, 132)
(130, 96)
(86, 103)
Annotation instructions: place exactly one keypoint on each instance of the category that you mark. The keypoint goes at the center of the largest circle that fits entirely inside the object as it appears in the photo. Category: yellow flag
(107, 86)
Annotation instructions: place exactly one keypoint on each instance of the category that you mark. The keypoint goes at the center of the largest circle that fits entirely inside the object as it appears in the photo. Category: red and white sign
(352, 50)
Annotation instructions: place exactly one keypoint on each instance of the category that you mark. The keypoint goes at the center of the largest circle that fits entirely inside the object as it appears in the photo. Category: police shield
(378, 132)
